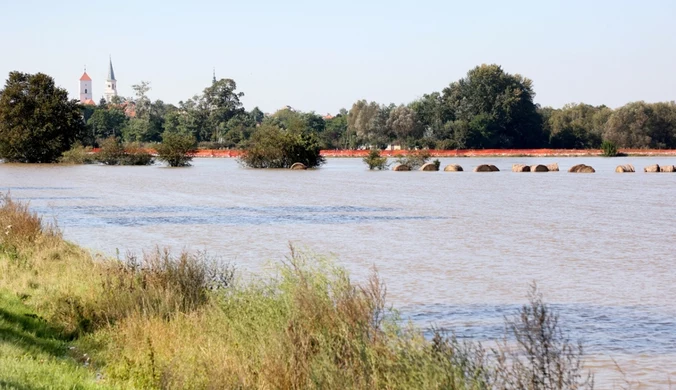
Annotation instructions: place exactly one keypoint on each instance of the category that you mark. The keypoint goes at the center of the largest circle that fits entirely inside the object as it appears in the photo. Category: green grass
(33, 355)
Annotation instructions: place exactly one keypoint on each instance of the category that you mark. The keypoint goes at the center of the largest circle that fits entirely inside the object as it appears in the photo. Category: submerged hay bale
(652, 168)
(539, 168)
(401, 168)
(581, 168)
(520, 168)
(429, 167)
(667, 168)
(625, 168)
(554, 167)
(453, 168)
(486, 168)
(298, 166)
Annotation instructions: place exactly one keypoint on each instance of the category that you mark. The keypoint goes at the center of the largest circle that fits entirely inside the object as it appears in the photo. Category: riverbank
(179, 321)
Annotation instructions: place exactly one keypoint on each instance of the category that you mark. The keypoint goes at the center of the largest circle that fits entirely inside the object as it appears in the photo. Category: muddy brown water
(456, 249)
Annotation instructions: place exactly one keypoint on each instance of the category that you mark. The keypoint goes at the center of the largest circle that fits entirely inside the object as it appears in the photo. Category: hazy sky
(323, 56)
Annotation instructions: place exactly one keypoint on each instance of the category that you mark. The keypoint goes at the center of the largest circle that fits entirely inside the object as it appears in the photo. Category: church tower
(111, 83)
(85, 88)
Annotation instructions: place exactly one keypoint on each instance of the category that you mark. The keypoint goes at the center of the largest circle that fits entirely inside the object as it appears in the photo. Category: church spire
(111, 72)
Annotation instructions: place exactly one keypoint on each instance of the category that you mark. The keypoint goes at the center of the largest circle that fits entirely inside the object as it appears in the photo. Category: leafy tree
(609, 149)
(497, 106)
(642, 125)
(112, 151)
(334, 132)
(575, 126)
(375, 161)
(106, 122)
(404, 124)
(368, 121)
(432, 115)
(257, 115)
(271, 146)
(176, 149)
(37, 120)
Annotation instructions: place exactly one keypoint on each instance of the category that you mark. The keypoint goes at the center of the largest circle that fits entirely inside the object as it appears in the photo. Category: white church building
(86, 93)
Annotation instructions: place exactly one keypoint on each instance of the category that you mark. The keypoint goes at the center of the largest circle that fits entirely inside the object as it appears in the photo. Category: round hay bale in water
(667, 168)
(520, 168)
(625, 168)
(484, 168)
(401, 168)
(453, 168)
(652, 168)
(429, 167)
(539, 168)
(553, 167)
(494, 168)
(581, 168)
(298, 166)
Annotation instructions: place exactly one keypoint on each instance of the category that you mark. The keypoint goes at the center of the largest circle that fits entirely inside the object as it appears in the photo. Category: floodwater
(456, 249)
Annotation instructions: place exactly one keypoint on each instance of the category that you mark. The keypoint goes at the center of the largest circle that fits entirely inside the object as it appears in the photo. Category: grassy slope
(33, 355)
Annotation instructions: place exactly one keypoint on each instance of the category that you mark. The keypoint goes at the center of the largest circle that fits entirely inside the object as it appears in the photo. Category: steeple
(111, 72)
(111, 83)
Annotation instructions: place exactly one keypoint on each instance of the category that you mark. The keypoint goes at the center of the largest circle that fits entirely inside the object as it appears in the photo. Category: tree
(575, 126)
(375, 161)
(37, 120)
(404, 124)
(271, 146)
(642, 125)
(368, 121)
(176, 149)
(498, 106)
(106, 122)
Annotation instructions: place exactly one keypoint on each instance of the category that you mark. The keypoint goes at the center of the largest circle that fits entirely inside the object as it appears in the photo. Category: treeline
(488, 108)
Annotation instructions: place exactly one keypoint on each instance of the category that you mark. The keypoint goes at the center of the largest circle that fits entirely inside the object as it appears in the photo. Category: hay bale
(652, 168)
(429, 167)
(486, 168)
(298, 166)
(581, 168)
(667, 168)
(401, 168)
(539, 168)
(520, 168)
(453, 168)
(625, 168)
(554, 167)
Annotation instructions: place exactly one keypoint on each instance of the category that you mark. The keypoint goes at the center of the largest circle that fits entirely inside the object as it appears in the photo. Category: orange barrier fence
(218, 153)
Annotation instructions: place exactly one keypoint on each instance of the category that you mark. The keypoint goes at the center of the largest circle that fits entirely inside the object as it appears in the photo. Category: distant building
(327, 117)
(86, 89)
(111, 83)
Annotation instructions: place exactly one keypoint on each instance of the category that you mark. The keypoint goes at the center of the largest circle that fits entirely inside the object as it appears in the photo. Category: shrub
(437, 163)
(176, 149)
(273, 147)
(414, 159)
(134, 154)
(609, 149)
(375, 161)
(78, 154)
(543, 358)
(111, 151)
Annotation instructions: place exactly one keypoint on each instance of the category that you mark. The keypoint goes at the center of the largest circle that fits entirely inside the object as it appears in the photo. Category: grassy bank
(71, 320)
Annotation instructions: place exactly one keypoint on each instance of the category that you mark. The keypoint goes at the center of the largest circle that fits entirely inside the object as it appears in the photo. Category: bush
(176, 149)
(437, 163)
(78, 154)
(414, 159)
(609, 149)
(375, 161)
(111, 151)
(273, 147)
(134, 154)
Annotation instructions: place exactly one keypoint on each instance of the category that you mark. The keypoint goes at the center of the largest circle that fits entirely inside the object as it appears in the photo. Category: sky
(324, 55)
